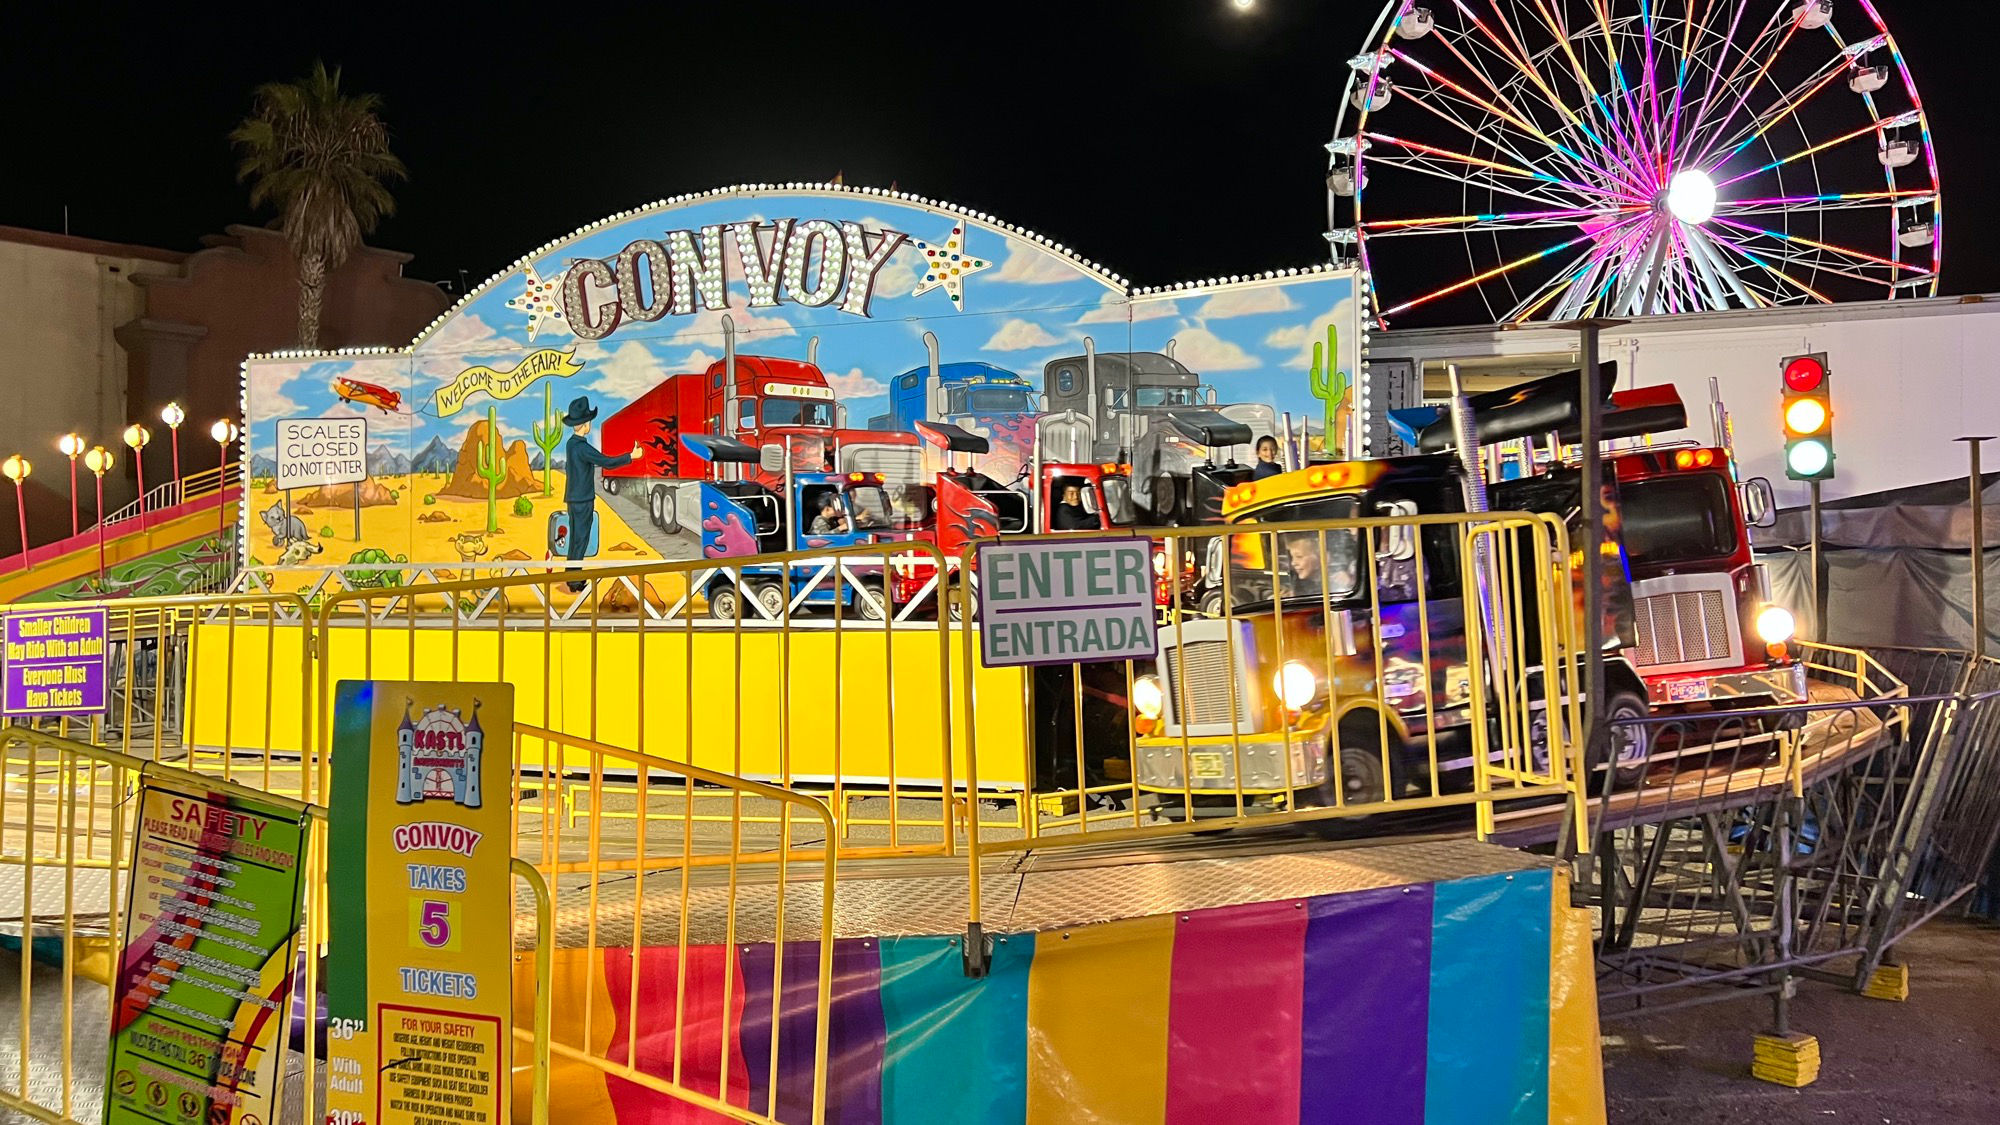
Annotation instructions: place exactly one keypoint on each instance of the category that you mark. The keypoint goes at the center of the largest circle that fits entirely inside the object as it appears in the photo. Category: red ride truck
(1708, 630)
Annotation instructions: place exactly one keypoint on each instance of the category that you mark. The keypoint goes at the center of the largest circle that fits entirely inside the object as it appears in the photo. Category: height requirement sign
(419, 993)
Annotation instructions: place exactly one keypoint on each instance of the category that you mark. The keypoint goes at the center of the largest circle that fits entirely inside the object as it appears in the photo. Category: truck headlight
(1295, 684)
(1148, 697)
(1775, 624)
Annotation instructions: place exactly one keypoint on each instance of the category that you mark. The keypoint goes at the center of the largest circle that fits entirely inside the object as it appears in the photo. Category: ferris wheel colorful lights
(1627, 157)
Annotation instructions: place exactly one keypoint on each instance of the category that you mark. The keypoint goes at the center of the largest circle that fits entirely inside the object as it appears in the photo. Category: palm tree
(322, 159)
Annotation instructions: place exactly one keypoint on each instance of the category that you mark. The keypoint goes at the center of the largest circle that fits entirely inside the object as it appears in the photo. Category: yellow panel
(1097, 1022)
(857, 699)
(1576, 1058)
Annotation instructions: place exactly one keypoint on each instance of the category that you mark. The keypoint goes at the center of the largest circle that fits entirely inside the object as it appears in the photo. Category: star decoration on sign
(946, 266)
(541, 299)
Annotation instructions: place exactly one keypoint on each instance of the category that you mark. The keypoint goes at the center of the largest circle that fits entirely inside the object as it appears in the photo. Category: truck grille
(1684, 627)
(1208, 675)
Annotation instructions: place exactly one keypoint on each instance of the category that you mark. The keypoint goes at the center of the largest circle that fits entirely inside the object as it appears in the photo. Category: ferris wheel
(1551, 159)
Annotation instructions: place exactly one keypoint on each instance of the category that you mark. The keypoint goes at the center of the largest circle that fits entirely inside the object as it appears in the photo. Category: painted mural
(558, 411)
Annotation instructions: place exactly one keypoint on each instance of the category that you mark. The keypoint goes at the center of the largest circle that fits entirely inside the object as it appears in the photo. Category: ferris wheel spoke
(1859, 256)
(1475, 133)
(1769, 268)
(1469, 224)
(1496, 166)
(1422, 167)
(1681, 79)
(1487, 275)
(1709, 91)
(1761, 123)
(1527, 69)
(1871, 127)
(1577, 162)
(1839, 201)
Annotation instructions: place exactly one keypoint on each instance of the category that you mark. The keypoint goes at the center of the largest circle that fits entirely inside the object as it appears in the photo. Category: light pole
(72, 447)
(224, 432)
(16, 470)
(98, 461)
(173, 416)
(136, 437)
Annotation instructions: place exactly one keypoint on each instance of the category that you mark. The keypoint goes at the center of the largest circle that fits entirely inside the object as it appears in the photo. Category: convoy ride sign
(321, 451)
(53, 662)
(1067, 601)
(210, 944)
(421, 832)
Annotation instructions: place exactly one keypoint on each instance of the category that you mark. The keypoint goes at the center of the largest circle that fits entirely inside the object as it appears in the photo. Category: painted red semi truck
(784, 408)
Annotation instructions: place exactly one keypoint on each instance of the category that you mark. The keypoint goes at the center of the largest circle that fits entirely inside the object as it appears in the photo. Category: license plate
(1205, 765)
(1686, 691)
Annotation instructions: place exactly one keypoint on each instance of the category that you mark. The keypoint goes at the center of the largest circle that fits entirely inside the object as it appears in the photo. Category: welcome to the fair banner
(506, 384)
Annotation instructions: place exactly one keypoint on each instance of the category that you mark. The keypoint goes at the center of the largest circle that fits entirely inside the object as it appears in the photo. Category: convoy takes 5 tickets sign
(419, 992)
(206, 971)
(1066, 601)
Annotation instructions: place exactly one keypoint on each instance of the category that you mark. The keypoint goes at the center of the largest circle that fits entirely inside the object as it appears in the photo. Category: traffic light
(1808, 415)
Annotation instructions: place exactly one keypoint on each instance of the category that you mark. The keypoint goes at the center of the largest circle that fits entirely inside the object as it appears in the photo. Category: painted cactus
(1333, 387)
(492, 466)
(548, 434)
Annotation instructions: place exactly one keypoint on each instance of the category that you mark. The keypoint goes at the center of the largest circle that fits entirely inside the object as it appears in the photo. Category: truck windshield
(1118, 501)
(1307, 563)
(797, 412)
(997, 400)
(1142, 398)
(869, 505)
(1677, 518)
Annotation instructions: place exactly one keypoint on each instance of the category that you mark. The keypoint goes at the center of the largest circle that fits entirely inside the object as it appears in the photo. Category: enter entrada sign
(1066, 601)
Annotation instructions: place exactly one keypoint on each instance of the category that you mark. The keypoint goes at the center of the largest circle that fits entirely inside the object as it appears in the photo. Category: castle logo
(438, 755)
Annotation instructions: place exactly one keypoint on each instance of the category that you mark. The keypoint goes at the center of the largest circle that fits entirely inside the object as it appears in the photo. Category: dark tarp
(1898, 572)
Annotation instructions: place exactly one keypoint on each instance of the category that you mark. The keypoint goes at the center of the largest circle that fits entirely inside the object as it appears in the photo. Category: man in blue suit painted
(581, 462)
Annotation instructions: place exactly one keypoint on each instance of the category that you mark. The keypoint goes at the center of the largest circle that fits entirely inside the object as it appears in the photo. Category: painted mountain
(436, 457)
(386, 462)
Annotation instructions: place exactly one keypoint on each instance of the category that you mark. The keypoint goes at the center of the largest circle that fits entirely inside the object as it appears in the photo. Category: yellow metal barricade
(1399, 668)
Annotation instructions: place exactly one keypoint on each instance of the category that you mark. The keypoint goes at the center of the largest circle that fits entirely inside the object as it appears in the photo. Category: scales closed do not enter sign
(1067, 601)
(321, 451)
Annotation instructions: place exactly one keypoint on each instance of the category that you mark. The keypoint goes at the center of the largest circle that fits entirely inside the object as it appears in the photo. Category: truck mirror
(840, 415)
(771, 458)
(1210, 396)
(940, 401)
(1760, 507)
(1042, 402)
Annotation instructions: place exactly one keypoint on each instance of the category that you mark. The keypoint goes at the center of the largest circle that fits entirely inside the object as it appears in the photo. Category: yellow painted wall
(841, 716)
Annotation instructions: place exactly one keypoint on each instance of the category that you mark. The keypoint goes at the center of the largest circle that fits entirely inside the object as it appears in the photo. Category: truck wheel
(772, 597)
(1631, 744)
(879, 608)
(966, 608)
(611, 486)
(1358, 749)
(666, 513)
(722, 602)
(1211, 604)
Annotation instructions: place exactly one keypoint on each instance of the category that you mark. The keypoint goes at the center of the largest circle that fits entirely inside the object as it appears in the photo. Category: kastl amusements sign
(419, 994)
(1066, 601)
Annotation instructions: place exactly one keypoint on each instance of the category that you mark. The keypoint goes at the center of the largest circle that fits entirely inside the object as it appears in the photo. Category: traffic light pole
(1818, 582)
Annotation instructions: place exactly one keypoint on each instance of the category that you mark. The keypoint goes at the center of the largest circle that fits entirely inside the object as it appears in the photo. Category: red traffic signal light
(1805, 373)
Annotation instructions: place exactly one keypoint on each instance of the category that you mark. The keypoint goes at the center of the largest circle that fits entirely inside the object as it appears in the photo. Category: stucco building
(102, 334)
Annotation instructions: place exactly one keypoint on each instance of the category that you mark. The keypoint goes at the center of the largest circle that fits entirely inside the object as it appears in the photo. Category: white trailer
(1908, 376)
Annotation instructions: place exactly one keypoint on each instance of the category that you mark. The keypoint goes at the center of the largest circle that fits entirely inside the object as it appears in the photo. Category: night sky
(1169, 140)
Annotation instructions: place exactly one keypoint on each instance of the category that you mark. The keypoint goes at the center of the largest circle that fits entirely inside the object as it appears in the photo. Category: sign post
(1066, 601)
(55, 663)
(419, 990)
(208, 959)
